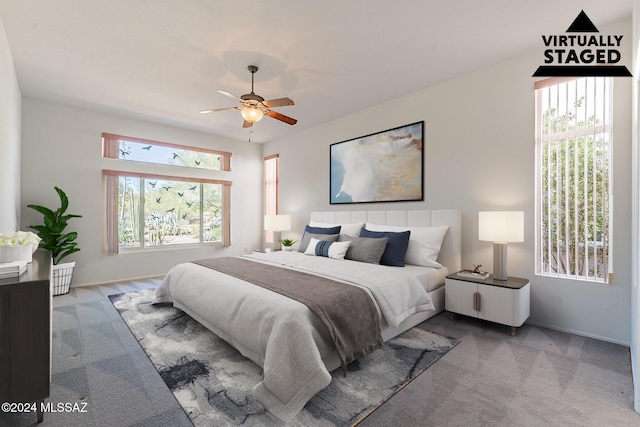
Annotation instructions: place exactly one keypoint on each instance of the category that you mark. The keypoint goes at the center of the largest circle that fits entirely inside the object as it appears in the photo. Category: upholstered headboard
(451, 250)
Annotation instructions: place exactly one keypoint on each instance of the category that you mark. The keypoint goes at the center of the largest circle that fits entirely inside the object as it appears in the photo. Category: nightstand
(501, 301)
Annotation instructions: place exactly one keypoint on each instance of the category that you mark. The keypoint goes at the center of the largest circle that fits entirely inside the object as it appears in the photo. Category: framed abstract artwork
(387, 166)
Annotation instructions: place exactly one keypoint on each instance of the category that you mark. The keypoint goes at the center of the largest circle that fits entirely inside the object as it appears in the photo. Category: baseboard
(133, 279)
(580, 333)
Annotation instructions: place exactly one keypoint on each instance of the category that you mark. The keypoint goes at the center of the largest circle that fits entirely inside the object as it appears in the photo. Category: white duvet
(280, 334)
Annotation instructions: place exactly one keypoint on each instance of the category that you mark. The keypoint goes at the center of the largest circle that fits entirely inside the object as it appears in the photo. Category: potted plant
(60, 244)
(287, 244)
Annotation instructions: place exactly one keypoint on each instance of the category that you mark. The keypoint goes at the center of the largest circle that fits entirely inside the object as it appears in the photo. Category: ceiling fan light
(251, 114)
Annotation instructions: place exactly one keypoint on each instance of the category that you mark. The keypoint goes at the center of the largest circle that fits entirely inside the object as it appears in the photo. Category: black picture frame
(386, 166)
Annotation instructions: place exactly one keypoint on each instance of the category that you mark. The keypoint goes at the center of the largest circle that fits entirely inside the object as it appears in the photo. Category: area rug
(212, 381)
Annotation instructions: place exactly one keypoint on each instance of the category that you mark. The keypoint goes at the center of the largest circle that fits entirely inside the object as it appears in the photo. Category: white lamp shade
(277, 222)
(503, 226)
(251, 114)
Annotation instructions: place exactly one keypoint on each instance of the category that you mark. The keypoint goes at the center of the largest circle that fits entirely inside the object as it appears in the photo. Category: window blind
(573, 152)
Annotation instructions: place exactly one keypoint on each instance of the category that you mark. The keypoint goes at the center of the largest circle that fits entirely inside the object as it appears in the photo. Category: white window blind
(573, 152)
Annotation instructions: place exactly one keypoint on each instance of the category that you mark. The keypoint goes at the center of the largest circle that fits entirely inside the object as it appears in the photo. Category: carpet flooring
(213, 381)
(539, 377)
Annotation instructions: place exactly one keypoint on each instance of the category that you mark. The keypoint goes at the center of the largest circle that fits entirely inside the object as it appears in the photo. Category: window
(271, 166)
(146, 210)
(573, 153)
(164, 153)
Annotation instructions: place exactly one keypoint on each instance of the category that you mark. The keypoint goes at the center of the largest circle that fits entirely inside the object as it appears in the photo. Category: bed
(283, 336)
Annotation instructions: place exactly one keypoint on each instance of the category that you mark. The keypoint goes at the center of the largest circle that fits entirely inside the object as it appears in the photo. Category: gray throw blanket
(347, 311)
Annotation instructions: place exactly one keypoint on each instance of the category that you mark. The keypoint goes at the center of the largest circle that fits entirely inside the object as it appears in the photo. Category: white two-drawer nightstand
(501, 301)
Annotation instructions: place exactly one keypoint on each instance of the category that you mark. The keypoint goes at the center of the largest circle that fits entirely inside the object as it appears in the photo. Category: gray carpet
(97, 361)
(539, 377)
(213, 381)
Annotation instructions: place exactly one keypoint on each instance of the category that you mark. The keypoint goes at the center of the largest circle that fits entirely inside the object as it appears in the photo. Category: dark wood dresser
(25, 334)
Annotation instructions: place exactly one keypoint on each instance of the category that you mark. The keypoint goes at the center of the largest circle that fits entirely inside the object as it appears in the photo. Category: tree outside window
(573, 201)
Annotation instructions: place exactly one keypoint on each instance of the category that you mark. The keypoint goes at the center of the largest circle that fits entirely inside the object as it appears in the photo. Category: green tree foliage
(575, 194)
(172, 213)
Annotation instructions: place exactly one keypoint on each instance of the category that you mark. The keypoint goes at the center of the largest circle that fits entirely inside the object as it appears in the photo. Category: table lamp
(500, 228)
(277, 224)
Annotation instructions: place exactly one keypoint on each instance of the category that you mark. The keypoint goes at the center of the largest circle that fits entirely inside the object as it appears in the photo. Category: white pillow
(335, 250)
(424, 243)
(348, 229)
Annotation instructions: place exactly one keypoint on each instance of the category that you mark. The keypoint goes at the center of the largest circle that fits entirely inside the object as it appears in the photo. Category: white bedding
(279, 334)
(430, 278)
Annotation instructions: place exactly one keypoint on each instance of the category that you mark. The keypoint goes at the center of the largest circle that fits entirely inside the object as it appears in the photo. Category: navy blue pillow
(396, 245)
(322, 230)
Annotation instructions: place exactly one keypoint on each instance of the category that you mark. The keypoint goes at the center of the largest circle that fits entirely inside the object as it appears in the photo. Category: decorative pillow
(348, 229)
(364, 249)
(335, 250)
(396, 246)
(424, 243)
(318, 232)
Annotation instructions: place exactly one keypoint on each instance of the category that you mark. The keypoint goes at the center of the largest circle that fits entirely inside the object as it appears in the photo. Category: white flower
(18, 238)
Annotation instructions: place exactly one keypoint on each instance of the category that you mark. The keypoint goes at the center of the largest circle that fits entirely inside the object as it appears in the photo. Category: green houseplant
(55, 239)
(287, 244)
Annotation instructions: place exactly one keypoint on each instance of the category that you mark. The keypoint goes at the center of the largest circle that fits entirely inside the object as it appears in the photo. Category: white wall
(479, 155)
(635, 253)
(10, 101)
(61, 146)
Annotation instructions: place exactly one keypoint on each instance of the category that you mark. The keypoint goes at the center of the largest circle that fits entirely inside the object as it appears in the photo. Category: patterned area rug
(212, 381)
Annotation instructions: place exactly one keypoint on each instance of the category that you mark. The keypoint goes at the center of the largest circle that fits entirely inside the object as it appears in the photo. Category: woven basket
(61, 276)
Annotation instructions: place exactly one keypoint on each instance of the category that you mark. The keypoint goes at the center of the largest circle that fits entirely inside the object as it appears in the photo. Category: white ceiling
(164, 60)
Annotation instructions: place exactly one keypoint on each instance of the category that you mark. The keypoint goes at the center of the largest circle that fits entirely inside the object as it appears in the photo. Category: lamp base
(500, 261)
(277, 236)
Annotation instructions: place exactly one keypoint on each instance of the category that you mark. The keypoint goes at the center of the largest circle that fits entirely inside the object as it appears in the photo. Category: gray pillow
(304, 243)
(365, 249)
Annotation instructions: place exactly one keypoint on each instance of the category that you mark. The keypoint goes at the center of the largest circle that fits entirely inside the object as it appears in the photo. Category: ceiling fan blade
(280, 102)
(215, 110)
(281, 117)
(247, 124)
(230, 95)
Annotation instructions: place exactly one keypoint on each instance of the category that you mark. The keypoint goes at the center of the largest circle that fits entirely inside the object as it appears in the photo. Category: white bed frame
(450, 252)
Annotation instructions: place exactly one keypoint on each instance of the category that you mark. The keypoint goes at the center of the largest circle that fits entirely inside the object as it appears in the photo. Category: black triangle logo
(582, 24)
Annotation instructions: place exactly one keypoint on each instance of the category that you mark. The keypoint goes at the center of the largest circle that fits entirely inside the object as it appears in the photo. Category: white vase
(287, 248)
(16, 253)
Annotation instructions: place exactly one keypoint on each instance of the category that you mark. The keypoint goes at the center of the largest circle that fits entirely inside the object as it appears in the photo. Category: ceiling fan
(253, 107)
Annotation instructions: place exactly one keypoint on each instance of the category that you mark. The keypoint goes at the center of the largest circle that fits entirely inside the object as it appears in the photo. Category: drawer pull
(476, 301)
